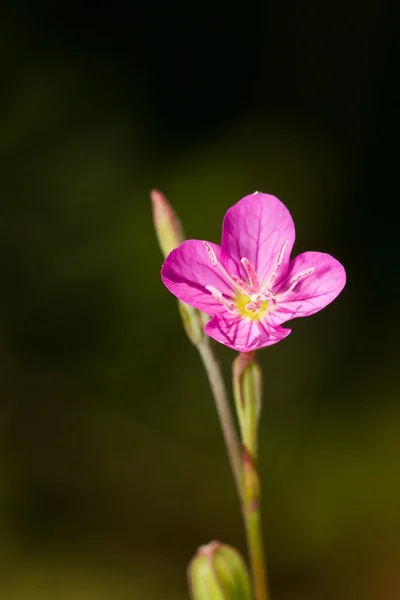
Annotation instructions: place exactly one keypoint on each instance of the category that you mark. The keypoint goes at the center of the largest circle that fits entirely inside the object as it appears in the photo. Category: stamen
(211, 254)
(243, 287)
(252, 275)
(272, 278)
(297, 278)
(217, 295)
(253, 305)
(216, 263)
(282, 252)
(256, 301)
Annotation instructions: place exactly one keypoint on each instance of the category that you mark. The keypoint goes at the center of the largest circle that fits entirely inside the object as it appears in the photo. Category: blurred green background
(112, 466)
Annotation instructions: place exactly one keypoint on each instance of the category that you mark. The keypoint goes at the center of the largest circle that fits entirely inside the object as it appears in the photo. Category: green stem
(224, 412)
(252, 519)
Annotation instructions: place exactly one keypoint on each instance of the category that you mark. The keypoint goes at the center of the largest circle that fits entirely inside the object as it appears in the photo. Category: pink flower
(248, 284)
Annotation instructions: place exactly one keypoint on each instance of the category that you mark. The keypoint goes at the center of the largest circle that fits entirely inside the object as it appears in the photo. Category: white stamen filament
(217, 295)
(297, 278)
(215, 263)
(282, 253)
(272, 278)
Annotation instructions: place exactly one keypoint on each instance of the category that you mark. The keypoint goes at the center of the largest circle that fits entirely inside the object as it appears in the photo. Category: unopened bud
(247, 390)
(170, 235)
(218, 572)
(166, 223)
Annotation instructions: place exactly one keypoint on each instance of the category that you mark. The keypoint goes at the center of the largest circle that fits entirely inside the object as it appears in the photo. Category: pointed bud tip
(157, 197)
(160, 204)
(166, 223)
(209, 548)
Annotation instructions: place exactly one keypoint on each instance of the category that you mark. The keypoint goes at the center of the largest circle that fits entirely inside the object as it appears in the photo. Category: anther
(211, 254)
(256, 301)
(243, 287)
(254, 305)
(252, 275)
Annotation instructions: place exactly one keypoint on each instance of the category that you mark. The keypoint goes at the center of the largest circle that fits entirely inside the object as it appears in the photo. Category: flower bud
(218, 572)
(247, 390)
(170, 235)
(166, 222)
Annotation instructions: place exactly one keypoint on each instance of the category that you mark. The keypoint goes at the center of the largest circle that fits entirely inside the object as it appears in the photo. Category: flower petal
(257, 227)
(312, 293)
(188, 269)
(243, 335)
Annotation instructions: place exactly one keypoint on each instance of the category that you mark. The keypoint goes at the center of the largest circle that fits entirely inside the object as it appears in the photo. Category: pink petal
(257, 227)
(314, 292)
(243, 335)
(188, 269)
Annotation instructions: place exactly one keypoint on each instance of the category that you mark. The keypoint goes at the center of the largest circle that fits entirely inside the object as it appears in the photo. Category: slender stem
(252, 518)
(243, 466)
(224, 412)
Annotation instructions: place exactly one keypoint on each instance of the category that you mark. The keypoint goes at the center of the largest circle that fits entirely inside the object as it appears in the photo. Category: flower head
(218, 572)
(248, 284)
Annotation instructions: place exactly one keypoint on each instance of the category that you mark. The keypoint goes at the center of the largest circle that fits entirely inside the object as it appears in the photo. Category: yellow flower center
(242, 300)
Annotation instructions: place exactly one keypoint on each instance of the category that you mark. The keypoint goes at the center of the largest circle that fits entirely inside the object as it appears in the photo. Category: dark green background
(112, 466)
